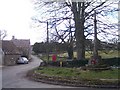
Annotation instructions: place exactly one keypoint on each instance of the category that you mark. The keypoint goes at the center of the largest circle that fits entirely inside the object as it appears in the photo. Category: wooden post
(47, 43)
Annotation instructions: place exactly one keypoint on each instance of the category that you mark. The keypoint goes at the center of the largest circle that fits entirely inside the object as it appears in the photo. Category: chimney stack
(13, 37)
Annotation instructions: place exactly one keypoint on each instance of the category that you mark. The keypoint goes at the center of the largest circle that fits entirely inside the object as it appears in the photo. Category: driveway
(15, 77)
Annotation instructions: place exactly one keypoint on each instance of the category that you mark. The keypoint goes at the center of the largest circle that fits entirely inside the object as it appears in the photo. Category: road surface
(15, 77)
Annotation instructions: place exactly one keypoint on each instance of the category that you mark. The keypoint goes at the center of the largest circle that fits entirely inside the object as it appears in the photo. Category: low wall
(10, 59)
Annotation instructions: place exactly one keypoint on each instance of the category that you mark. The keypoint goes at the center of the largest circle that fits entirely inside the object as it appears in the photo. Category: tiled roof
(21, 42)
(8, 47)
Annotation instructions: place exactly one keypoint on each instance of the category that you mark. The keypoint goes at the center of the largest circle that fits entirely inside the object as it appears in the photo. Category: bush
(56, 63)
(79, 63)
(73, 63)
(112, 61)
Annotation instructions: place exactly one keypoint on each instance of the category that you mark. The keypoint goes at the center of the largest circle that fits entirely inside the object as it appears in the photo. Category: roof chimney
(13, 37)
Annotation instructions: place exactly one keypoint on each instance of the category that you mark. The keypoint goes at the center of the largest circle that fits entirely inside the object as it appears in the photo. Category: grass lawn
(100, 77)
(44, 57)
(104, 53)
(88, 54)
(77, 73)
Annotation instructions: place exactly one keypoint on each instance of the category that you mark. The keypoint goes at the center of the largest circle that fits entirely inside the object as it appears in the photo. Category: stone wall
(0, 51)
(1, 55)
(10, 59)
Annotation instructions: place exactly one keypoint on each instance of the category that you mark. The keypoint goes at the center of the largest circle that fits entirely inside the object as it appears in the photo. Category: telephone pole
(47, 42)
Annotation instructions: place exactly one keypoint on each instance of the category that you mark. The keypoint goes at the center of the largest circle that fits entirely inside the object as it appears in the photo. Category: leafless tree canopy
(74, 20)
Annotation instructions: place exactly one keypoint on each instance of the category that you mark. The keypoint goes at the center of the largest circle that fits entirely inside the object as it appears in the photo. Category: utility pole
(47, 42)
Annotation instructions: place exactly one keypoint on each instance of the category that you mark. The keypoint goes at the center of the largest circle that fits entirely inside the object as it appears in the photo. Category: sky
(15, 18)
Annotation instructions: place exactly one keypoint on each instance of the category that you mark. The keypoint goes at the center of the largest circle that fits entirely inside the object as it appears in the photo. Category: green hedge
(112, 61)
(79, 63)
(76, 63)
(73, 63)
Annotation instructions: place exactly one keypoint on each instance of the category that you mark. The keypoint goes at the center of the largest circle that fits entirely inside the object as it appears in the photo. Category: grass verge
(76, 72)
(76, 77)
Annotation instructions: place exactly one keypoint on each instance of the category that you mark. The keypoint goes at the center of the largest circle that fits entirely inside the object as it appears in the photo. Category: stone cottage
(23, 46)
(15, 48)
(11, 53)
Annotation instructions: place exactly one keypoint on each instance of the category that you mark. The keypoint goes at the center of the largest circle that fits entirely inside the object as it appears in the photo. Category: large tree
(81, 14)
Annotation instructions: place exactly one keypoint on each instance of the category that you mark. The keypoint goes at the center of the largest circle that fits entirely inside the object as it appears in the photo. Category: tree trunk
(70, 51)
(80, 41)
(78, 12)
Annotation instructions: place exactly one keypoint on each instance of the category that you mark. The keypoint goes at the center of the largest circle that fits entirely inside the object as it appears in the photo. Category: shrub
(77, 63)
(112, 61)
(73, 63)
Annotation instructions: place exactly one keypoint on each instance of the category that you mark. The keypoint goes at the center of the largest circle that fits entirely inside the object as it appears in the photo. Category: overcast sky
(15, 18)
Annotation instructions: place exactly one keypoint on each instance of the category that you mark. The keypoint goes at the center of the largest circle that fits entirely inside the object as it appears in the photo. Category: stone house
(11, 53)
(15, 48)
(23, 46)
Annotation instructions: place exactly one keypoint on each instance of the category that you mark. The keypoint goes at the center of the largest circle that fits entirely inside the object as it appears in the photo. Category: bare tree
(3, 34)
(58, 13)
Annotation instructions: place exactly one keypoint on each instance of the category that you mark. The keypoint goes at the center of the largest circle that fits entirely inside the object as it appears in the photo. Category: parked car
(22, 60)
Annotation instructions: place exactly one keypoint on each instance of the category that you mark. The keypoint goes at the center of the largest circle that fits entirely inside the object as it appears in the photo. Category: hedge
(112, 61)
(69, 63)
(79, 63)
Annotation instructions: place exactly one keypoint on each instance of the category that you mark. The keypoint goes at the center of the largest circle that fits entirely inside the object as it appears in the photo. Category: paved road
(15, 77)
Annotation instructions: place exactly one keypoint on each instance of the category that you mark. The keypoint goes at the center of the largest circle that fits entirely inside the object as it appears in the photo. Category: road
(15, 77)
